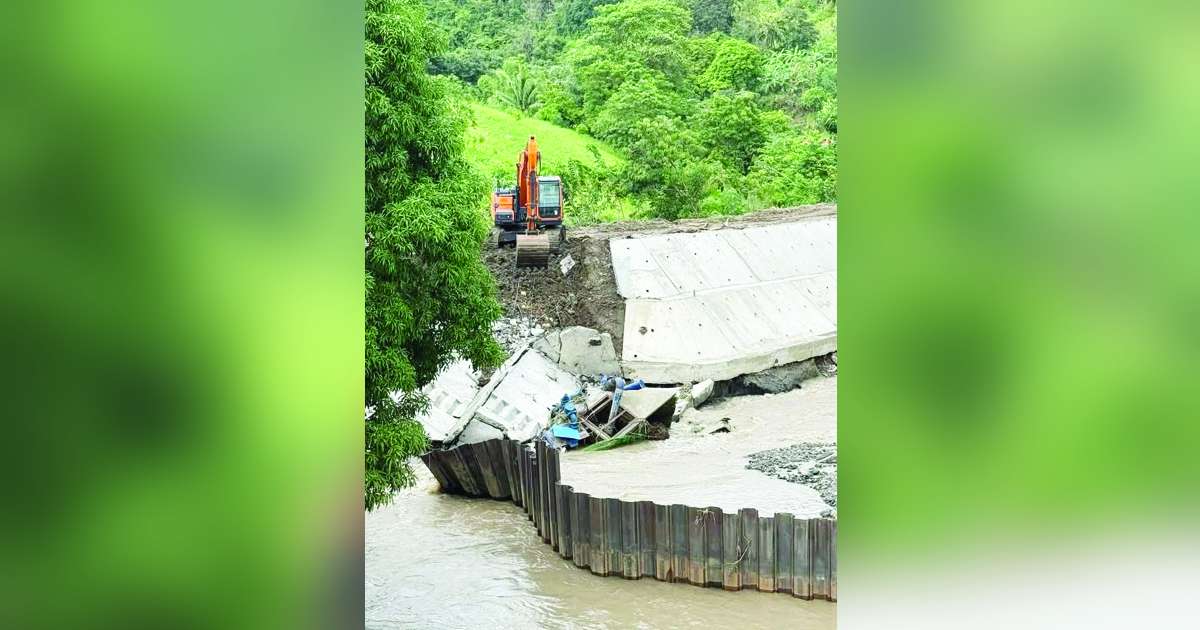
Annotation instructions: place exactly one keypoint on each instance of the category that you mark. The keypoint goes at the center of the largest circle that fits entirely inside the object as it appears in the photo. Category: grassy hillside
(496, 138)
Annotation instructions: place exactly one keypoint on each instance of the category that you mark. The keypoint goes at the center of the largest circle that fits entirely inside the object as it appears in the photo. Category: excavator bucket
(533, 250)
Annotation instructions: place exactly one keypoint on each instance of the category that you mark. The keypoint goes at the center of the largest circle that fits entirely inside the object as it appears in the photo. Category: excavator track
(533, 250)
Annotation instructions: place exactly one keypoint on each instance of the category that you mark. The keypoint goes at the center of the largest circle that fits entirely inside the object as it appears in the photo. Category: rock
(806, 463)
(656, 431)
(701, 391)
(721, 427)
(682, 404)
(579, 350)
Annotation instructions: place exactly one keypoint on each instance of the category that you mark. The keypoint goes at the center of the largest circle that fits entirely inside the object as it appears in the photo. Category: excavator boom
(530, 214)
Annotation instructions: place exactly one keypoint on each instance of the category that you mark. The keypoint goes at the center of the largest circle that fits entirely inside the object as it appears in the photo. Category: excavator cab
(549, 200)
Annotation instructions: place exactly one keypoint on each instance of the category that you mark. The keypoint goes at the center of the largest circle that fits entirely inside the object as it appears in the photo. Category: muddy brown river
(440, 561)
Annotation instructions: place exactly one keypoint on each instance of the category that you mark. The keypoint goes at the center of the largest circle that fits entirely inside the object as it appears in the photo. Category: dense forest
(711, 106)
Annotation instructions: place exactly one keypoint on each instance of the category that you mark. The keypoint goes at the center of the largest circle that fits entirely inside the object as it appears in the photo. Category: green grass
(496, 138)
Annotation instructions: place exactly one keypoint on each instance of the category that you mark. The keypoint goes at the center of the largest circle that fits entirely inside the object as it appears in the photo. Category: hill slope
(496, 138)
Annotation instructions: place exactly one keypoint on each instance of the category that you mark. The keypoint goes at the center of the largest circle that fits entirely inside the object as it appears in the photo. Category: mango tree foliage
(571, 16)
(735, 64)
(793, 169)
(775, 25)
(657, 146)
(731, 128)
(712, 16)
(428, 296)
(649, 96)
(629, 40)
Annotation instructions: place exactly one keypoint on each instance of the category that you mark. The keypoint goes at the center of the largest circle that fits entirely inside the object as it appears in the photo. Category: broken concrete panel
(580, 350)
(515, 402)
(522, 399)
(701, 391)
(549, 345)
(718, 304)
(450, 395)
(656, 404)
(782, 378)
(477, 431)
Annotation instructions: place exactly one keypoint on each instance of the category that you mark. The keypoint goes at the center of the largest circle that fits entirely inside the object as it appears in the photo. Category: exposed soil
(662, 226)
(587, 296)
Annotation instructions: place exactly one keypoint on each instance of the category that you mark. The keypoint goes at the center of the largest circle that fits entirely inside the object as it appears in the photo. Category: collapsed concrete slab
(653, 404)
(580, 350)
(450, 396)
(515, 402)
(721, 303)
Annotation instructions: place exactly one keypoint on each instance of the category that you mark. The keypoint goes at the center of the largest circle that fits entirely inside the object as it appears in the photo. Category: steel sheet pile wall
(635, 539)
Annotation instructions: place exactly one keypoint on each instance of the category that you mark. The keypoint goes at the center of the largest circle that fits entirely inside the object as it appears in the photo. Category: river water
(441, 561)
(710, 470)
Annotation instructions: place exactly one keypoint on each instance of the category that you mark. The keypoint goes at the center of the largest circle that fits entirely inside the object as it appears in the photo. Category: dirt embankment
(587, 296)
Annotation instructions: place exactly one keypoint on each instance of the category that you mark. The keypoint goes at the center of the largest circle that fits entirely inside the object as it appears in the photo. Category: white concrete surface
(720, 303)
(517, 399)
(450, 396)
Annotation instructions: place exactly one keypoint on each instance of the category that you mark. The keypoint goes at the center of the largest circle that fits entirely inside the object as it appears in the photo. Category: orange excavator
(529, 215)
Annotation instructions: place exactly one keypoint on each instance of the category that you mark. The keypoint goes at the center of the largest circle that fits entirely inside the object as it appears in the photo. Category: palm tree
(517, 90)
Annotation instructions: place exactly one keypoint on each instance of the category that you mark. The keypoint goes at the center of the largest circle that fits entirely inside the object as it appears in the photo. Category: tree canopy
(429, 298)
(692, 92)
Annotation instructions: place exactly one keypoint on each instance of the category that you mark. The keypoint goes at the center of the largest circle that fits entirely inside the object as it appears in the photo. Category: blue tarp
(565, 432)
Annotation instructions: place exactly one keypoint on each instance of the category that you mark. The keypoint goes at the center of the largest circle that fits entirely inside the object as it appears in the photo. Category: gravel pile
(514, 332)
(798, 463)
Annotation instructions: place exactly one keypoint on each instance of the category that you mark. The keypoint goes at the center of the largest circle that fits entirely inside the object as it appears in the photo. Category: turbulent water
(439, 561)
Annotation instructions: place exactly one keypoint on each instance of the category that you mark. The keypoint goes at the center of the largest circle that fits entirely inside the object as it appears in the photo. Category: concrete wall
(636, 539)
(717, 304)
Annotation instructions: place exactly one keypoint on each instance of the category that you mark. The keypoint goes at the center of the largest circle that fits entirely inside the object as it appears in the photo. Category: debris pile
(808, 463)
(514, 333)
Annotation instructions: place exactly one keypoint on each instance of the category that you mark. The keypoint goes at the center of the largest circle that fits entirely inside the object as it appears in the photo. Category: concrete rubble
(515, 401)
(653, 404)
(514, 333)
(581, 351)
(701, 391)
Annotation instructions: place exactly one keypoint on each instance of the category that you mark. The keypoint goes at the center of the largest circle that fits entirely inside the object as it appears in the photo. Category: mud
(662, 226)
(696, 468)
(587, 296)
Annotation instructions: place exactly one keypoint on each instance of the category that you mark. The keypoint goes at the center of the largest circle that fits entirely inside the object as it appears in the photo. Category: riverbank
(699, 469)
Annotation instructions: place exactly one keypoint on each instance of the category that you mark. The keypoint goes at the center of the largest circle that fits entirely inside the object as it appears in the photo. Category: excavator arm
(527, 182)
